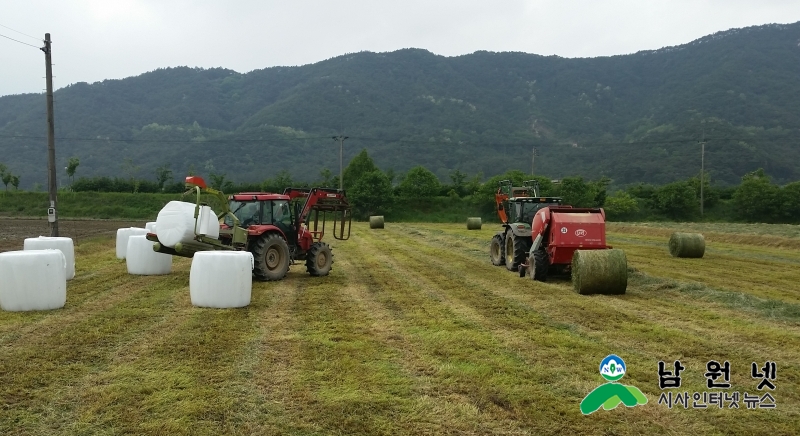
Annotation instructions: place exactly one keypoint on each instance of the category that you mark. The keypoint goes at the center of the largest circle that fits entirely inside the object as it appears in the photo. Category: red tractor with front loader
(277, 229)
(543, 236)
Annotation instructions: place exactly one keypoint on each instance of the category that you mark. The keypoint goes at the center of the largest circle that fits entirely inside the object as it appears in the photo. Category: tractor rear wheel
(516, 250)
(497, 250)
(319, 259)
(541, 263)
(271, 255)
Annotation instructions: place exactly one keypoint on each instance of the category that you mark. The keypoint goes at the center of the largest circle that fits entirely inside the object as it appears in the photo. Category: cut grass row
(414, 332)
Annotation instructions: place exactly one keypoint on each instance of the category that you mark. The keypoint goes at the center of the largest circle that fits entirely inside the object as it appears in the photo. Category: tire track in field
(455, 360)
(473, 355)
(768, 339)
(441, 412)
(48, 364)
(353, 380)
(75, 404)
(271, 360)
(704, 340)
(684, 304)
(180, 378)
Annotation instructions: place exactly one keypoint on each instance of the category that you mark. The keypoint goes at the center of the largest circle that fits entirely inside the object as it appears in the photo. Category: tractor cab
(522, 210)
(255, 209)
(259, 209)
(519, 204)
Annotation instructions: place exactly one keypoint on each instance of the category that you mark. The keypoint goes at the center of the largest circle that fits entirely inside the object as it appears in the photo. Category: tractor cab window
(526, 211)
(248, 213)
(281, 212)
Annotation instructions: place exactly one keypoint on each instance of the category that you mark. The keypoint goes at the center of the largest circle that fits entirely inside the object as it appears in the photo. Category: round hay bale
(599, 271)
(474, 223)
(691, 245)
(376, 222)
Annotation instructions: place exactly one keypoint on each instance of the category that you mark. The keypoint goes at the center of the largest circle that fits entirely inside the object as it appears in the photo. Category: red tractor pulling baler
(277, 228)
(542, 236)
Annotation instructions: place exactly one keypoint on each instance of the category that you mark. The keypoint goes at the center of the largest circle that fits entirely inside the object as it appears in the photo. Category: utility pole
(341, 139)
(702, 169)
(51, 142)
(533, 160)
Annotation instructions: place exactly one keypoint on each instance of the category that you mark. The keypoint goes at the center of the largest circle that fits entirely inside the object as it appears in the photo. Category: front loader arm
(323, 200)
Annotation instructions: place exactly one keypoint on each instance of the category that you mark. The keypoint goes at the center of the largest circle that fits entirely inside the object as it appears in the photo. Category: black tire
(541, 264)
(319, 259)
(271, 255)
(497, 250)
(516, 250)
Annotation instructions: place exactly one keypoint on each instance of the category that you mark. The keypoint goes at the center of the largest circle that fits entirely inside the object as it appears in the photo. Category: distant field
(414, 332)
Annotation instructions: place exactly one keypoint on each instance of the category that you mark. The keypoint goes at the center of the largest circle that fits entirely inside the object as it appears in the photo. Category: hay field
(414, 332)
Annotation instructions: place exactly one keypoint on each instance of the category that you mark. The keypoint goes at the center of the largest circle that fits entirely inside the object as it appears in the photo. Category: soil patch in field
(14, 231)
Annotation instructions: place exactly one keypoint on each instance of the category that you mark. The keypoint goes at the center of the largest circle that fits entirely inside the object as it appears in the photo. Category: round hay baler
(573, 240)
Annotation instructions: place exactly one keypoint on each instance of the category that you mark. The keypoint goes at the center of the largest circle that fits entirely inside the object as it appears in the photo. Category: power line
(581, 145)
(24, 34)
(167, 141)
(15, 40)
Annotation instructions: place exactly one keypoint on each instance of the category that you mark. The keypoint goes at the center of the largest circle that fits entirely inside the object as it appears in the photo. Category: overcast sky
(95, 40)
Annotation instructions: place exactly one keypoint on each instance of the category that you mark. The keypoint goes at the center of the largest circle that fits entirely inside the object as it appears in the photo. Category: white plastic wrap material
(33, 280)
(56, 243)
(142, 260)
(209, 223)
(149, 226)
(221, 279)
(175, 223)
(122, 239)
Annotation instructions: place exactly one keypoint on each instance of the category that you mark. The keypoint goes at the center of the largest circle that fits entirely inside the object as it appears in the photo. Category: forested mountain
(633, 118)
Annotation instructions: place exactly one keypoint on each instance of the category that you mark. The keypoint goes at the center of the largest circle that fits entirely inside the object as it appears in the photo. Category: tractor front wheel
(319, 259)
(497, 250)
(516, 249)
(271, 255)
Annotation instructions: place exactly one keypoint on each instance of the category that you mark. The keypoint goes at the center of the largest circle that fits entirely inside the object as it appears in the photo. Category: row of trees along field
(419, 195)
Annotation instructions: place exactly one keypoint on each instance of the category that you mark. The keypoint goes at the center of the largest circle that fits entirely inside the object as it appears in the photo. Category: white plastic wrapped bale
(221, 279)
(150, 226)
(142, 260)
(33, 280)
(122, 239)
(175, 223)
(55, 243)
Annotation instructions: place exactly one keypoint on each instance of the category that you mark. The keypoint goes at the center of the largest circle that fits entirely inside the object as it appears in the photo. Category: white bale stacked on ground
(474, 223)
(691, 245)
(55, 243)
(142, 260)
(33, 280)
(175, 223)
(376, 222)
(122, 239)
(221, 279)
(599, 271)
(150, 226)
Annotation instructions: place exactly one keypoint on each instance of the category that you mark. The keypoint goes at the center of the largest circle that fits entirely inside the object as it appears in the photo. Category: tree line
(377, 192)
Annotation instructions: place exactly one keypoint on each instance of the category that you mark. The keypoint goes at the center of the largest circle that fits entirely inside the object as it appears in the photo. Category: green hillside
(633, 118)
